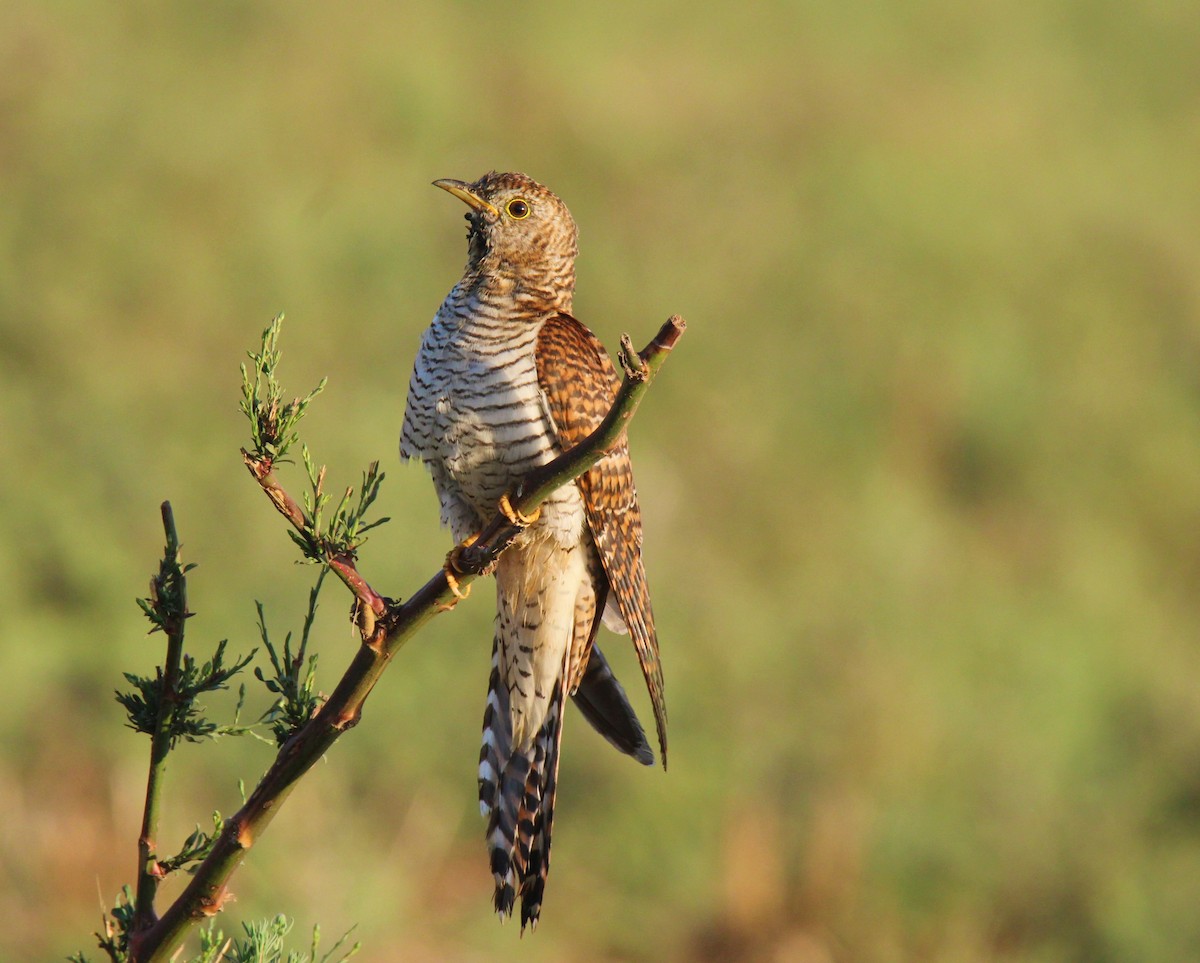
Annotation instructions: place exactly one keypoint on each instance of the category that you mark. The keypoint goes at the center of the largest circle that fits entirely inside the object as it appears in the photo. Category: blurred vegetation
(920, 488)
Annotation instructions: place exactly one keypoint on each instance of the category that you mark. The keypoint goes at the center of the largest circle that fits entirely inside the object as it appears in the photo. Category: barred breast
(477, 418)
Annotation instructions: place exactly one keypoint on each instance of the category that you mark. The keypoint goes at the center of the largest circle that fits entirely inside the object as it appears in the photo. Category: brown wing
(579, 383)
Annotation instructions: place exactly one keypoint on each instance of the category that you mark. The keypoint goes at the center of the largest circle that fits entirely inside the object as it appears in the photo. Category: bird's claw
(452, 581)
(453, 567)
(515, 517)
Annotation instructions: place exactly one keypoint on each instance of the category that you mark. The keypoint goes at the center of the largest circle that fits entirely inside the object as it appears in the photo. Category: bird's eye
(517, 209)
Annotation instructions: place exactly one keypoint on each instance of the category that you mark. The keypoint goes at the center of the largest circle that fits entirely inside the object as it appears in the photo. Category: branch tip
(671, 331)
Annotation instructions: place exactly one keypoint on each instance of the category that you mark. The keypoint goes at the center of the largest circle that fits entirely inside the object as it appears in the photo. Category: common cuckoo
(504, 381)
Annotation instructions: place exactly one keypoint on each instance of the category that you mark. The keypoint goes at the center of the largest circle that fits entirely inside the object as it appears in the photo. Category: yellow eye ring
(517, 208)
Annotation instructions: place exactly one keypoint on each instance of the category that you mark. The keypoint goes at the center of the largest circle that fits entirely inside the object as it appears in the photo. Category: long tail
(516, 794)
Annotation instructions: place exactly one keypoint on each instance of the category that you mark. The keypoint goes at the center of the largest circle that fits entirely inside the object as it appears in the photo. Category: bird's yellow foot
(453, 569)
(520, 519)
(452, 581)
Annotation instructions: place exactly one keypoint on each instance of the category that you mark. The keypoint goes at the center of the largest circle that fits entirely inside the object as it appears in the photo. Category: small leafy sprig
(195, 848)
(265, 942)
(115, 927)
(176, 706)
(340, 533)
(273, 421)
(166, 605)
(294, 681)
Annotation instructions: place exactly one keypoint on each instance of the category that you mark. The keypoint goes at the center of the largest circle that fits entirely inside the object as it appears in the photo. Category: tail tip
(530, 916)
(505, 897)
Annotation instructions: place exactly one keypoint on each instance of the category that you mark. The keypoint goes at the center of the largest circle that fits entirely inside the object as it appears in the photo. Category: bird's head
(520, 230)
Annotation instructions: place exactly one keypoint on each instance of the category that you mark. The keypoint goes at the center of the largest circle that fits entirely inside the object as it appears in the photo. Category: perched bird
(504, 381)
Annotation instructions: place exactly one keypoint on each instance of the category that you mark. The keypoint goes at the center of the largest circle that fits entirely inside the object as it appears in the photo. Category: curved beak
(462, 191)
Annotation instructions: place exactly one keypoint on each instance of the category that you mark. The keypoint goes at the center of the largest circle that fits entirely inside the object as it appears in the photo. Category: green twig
(167, 609)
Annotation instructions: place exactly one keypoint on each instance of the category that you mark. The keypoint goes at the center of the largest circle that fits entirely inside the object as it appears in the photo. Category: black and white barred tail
(517, 787)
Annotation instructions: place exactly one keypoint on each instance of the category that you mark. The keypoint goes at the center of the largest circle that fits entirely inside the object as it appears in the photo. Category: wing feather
(579, 383)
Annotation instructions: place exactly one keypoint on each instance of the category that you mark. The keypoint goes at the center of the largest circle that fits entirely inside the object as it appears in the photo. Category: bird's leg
(520, 519)
(454, 568)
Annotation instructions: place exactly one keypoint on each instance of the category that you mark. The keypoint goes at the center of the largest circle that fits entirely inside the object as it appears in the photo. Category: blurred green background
(921, 484)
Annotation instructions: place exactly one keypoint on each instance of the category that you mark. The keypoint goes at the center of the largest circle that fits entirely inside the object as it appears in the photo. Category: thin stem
(206, 893)
(342, 564)
(170, 594)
